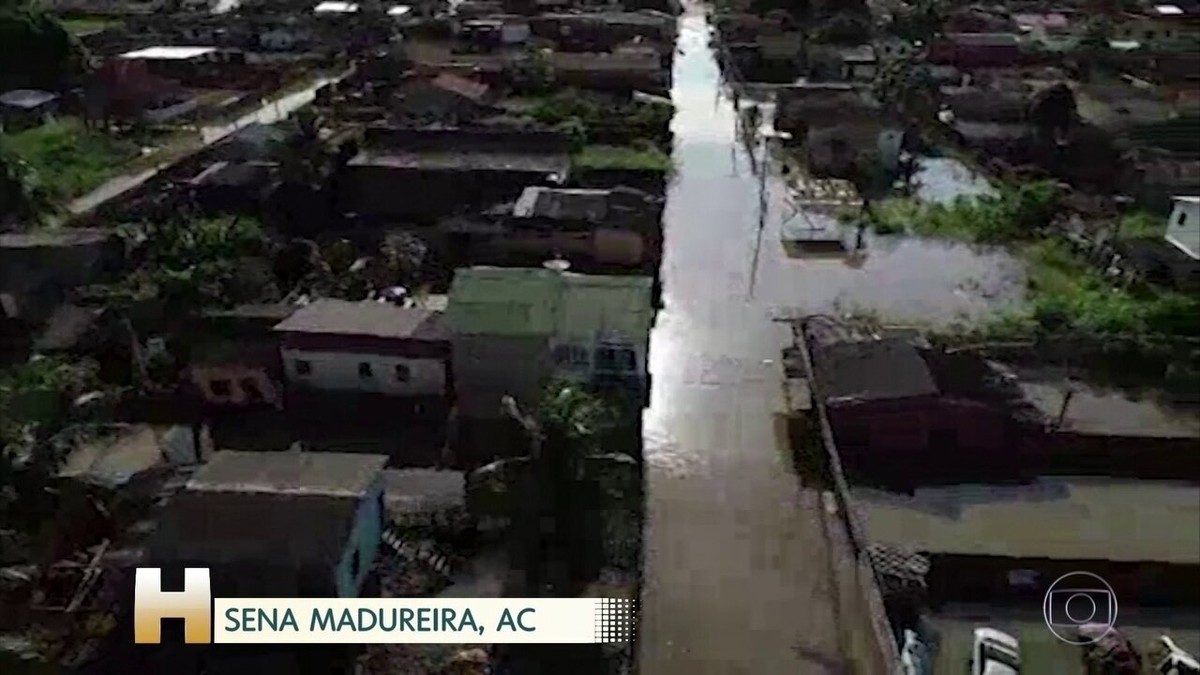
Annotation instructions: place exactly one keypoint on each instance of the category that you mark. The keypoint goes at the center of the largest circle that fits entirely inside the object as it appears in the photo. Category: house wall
(339, 371)
(878, 440)
(392, 192)
(486, 367)
(1183, 227)
(365, 540)
(962, 578)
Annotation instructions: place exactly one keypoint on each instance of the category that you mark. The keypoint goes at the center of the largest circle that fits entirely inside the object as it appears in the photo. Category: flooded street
(744, 565)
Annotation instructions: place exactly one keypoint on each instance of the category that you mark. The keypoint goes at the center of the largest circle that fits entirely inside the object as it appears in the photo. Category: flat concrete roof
(1059, 519)
(168, 53)
(334, 474)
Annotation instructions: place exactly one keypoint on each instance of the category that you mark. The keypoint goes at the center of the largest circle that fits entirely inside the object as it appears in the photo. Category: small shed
(1183, 226)
(25, 108)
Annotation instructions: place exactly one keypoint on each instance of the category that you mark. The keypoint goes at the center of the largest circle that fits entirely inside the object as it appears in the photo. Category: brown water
(741, 564)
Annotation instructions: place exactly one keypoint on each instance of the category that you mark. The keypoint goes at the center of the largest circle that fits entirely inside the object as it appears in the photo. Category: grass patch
(630, 158)
(1142, 224)
(68, 159)
(1065, 293)
(1016, 214)
(602, 121)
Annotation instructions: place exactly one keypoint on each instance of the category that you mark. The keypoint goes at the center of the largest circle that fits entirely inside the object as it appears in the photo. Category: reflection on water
(944, 179)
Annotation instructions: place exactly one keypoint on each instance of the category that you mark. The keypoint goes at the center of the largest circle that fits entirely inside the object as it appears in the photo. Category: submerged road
(745, 571)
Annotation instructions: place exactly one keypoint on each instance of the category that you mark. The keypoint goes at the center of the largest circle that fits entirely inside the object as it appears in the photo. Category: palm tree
(549, 488)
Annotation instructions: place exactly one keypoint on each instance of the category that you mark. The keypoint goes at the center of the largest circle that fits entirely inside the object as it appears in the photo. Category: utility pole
(762, 211)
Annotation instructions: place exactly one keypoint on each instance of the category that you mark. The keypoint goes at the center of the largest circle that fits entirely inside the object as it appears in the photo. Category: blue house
(277, 524)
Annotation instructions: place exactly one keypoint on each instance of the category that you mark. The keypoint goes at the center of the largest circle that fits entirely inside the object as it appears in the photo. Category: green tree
(36, 51)
(187, 264)
(903, 85)
(35, 400)
(920, 21)
(548, 493)
(1053, 112)
(24, 201)
(844, 28)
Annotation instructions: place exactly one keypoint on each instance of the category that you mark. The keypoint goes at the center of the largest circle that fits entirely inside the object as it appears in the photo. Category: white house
(1183, 226)
(365, 347)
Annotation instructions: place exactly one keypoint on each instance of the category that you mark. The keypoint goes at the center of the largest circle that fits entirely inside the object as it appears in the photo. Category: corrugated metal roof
(535, 301)
(378, 319)
(26, 98)
(168, 53)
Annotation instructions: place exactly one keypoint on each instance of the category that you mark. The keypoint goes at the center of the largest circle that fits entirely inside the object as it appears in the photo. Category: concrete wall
(958, 578)
(339, 371)
(365, 540)
(486, 367)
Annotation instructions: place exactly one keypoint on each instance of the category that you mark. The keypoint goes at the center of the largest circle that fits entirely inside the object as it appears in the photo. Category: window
(303, 367)
(570, 356)
(253, 393)
(616, 359)
(364, 370)
(403, 374)
(221, 388)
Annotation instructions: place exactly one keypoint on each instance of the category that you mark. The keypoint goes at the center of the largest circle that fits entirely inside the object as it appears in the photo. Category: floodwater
(744, 564)
(943, 179)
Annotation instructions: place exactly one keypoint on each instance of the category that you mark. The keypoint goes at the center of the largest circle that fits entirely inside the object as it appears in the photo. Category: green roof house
(515, 328)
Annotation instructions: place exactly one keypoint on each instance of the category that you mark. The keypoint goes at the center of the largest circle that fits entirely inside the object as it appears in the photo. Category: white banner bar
(422, 620)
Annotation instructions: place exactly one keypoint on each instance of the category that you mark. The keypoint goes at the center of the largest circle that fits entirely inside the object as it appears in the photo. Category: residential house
(428, 173)
(898, 409)
(858, 63)
(313, 520)
(1164, 26)
(1053, 31)
(63, 257)
(493, 32)
(128, 88)
(976, 50)
(1183, 226)
(25, 108)
(594, 229)
(514, 329)
(444, 98)
(990, 120)
(805, 106)
(602, 31)
(376, 348)
(625, 69)
(1153, 176)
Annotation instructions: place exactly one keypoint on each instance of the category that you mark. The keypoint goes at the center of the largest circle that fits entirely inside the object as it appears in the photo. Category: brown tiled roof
(476, 91)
